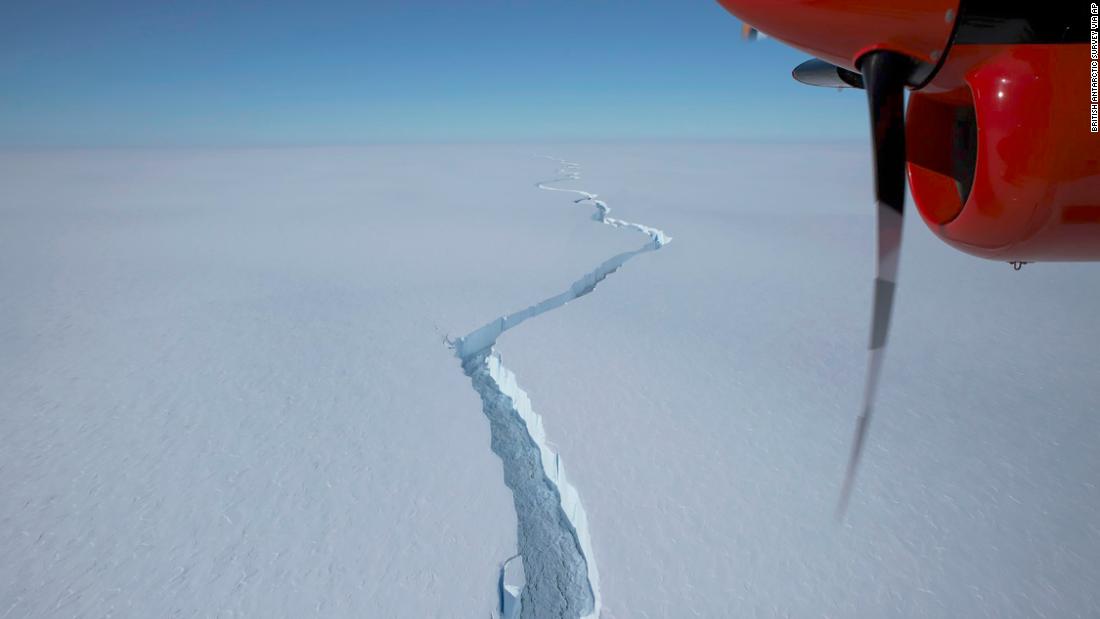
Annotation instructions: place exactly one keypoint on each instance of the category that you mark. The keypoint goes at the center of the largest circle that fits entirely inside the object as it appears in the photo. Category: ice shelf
(554, 573)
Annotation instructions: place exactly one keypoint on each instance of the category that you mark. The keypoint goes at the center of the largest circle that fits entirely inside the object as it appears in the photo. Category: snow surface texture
(708, 422)
(555, 545)
(223, 389)
(223, 385)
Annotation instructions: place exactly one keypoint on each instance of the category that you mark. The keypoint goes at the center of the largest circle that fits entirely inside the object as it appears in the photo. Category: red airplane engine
(1000, 143)
(1002, 160)
(1002, 156)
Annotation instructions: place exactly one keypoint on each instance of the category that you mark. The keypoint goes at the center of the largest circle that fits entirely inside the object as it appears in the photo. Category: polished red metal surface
(1036, 188)
(1001, 159)
(840, 31)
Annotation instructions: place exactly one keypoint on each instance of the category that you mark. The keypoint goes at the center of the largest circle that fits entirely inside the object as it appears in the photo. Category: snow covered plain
(226, 391)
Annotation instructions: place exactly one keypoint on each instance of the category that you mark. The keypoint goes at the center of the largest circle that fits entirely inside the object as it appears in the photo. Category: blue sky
(273, 73)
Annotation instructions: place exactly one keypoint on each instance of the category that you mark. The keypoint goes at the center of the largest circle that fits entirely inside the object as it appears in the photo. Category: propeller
(884, 76)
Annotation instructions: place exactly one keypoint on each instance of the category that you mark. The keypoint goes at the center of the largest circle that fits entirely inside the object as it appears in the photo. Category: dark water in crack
(555, 566)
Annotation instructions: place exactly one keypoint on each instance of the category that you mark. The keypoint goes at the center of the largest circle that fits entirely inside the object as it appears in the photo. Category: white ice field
(230, 386)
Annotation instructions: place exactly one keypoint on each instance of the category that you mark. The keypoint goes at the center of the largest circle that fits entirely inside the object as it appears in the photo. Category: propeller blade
(817, 72)
(885, 75)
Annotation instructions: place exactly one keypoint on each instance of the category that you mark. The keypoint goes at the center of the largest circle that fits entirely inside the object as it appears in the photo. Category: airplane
(1000, 140)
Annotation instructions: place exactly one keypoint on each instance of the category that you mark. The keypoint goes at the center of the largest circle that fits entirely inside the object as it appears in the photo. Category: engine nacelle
(1003, 163)
(1003, 157)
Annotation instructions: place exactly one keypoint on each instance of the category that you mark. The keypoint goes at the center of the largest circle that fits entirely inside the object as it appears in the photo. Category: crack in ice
(556, 573)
